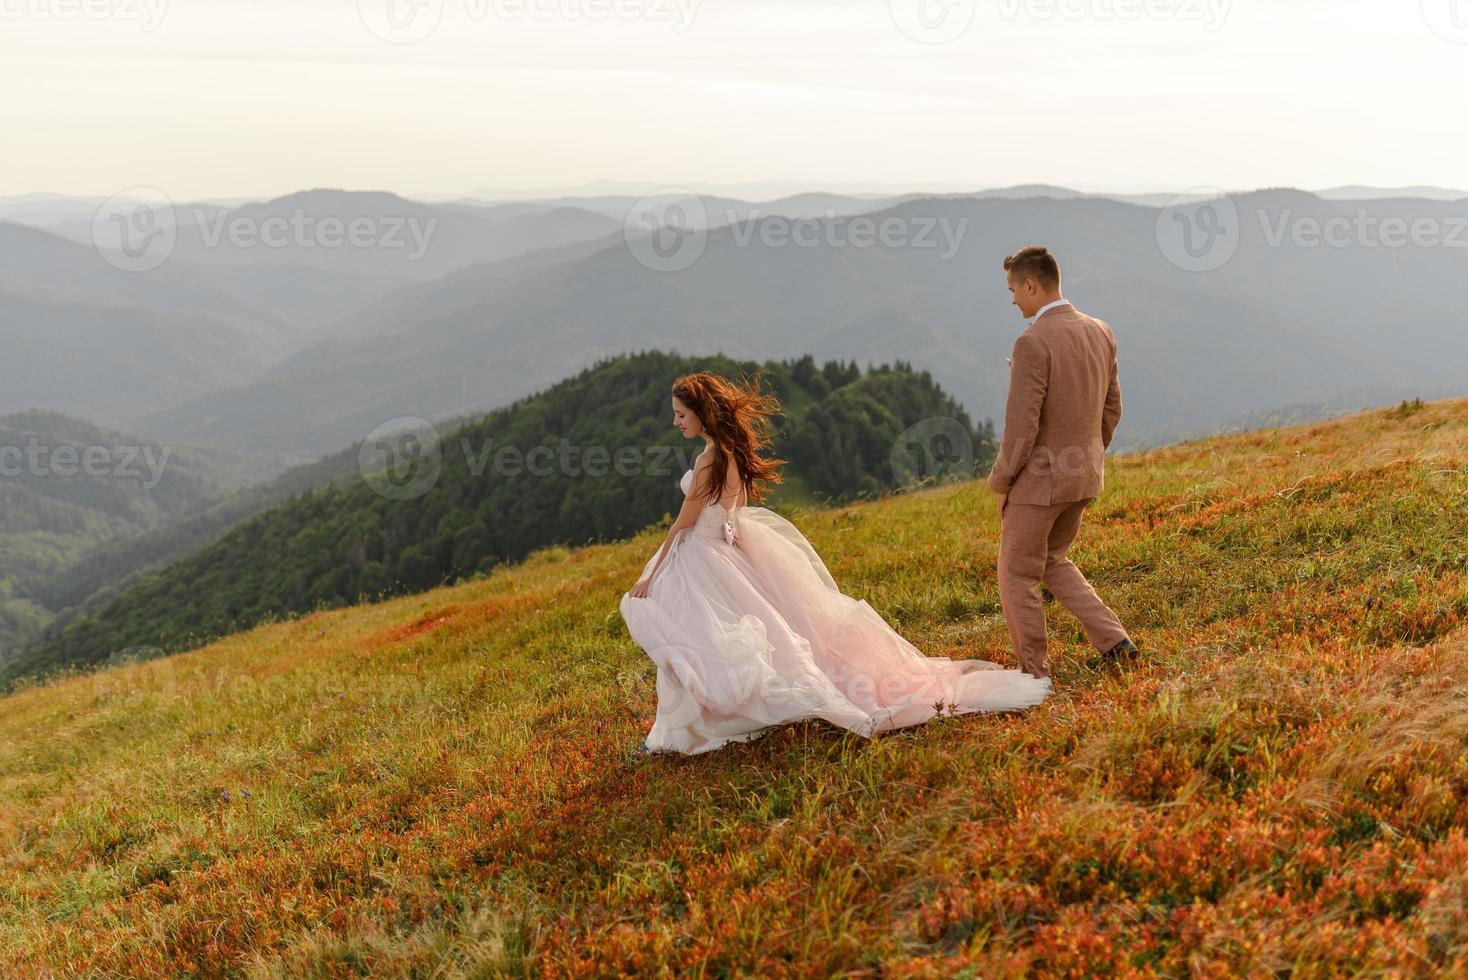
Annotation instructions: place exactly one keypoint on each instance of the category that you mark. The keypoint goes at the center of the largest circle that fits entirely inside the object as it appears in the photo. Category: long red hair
(736, 417)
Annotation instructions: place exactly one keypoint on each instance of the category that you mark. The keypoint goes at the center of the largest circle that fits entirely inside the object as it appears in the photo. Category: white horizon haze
(251, 99)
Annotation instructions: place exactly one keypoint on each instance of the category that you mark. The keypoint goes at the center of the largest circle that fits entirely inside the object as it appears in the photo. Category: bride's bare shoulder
(701, 466)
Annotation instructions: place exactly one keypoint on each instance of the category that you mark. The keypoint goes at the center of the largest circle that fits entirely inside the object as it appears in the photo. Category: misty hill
(49, 577)
(48, 210)
(335, 543)
(401, 240)
(720, 209)
(85, 338)
(448, 784)
(1280, 323)
(63, 309)
(246, 285)
(101, 560)
(1356, 192)
(67, 486)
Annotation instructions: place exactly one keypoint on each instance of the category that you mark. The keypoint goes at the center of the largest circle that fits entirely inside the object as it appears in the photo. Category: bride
(745, 624)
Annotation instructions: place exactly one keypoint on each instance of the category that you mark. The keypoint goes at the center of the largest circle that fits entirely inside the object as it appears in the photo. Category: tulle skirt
(753, 634)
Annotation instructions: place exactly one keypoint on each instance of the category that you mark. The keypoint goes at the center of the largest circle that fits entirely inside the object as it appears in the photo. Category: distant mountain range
(1359, 193)
(294, 351)
(246, 285)
(773, 190)
(1280, 323)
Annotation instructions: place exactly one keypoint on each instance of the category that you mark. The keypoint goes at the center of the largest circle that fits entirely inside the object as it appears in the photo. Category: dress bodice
(715, 520)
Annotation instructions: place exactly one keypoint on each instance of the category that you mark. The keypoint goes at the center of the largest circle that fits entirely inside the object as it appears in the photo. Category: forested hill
(592, 458)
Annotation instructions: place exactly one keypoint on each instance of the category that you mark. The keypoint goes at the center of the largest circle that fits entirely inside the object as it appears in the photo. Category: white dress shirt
(1048, 307)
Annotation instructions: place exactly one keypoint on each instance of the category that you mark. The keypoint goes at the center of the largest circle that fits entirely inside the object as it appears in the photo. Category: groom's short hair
(1034, 262)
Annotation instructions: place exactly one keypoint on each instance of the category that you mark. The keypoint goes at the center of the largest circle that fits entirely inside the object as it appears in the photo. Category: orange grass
(448, 784)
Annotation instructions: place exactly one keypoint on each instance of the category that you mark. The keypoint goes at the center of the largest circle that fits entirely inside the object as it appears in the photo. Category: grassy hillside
(448, 784)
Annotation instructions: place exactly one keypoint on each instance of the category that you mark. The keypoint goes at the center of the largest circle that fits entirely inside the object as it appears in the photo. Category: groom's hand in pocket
(1003, 503)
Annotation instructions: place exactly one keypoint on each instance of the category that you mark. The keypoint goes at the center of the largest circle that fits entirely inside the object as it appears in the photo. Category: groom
(1064, 404)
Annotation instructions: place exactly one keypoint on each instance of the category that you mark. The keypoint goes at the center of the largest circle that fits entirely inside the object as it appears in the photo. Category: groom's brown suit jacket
(1063, 409)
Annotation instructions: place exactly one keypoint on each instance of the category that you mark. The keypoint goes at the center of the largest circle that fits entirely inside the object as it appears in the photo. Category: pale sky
(249, 98)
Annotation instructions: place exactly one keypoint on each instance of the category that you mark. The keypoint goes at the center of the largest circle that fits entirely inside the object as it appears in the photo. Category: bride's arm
(693, 505)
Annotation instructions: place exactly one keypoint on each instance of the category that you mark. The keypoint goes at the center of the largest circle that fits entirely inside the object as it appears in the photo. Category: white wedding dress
(748, 631)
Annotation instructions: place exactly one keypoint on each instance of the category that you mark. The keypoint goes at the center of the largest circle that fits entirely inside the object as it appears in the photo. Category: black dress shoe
(1125, 650)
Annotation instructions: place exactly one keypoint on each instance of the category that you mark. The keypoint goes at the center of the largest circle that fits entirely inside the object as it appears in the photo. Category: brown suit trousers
(1034, 542)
